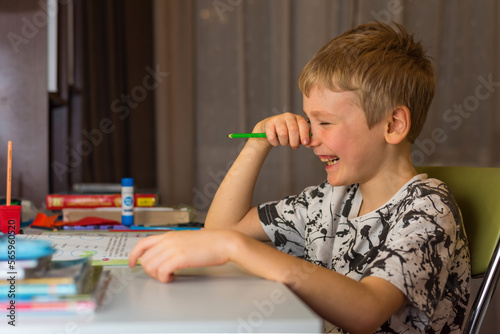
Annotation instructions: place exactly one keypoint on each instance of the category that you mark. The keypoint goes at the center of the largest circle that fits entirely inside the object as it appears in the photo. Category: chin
(339, 179)
(335, 182)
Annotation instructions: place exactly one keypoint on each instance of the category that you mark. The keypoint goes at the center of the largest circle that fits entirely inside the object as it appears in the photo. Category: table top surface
(216, 299)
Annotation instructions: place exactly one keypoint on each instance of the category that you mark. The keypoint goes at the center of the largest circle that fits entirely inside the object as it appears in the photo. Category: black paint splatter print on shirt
(415, 241)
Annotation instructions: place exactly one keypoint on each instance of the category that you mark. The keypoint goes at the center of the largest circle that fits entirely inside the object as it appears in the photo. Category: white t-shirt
(414, 241)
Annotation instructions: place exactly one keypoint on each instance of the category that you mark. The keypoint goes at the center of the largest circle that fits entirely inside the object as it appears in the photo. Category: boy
(376, 247)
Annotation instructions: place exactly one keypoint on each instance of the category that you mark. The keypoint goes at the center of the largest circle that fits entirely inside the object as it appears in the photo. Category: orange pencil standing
(9, 172)
(10, 215)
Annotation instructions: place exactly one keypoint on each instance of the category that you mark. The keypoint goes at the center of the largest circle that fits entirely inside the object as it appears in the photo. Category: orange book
(62, 201)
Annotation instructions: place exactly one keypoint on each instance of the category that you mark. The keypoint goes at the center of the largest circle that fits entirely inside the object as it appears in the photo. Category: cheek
(341, 140)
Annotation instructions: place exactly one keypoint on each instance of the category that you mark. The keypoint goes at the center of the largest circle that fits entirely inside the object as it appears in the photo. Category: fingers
(141, 247)
(161, 255)
(155, 257)
(157, 263)
(304, 131)
(287, 130)
(272, 136)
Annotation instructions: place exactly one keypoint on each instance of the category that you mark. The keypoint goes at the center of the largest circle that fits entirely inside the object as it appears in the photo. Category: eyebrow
(314, 113)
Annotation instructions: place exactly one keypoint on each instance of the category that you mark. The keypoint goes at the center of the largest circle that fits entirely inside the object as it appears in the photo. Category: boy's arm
(355, 306)
(358, 307)
(231, 207)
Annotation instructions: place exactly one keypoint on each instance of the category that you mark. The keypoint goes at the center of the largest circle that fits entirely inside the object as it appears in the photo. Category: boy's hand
(161, 255)
(285, 129)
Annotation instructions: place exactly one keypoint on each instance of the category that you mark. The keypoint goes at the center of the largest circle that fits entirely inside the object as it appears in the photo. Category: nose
(313, 140)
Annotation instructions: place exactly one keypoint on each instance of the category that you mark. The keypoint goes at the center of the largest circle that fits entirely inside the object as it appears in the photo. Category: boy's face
(352, 152)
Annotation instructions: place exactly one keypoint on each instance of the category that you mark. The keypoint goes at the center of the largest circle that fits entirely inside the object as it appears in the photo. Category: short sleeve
(419, 252)
(285, 221)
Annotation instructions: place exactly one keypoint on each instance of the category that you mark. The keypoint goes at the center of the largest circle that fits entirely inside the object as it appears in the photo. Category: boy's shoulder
(429, 198)
(421, 187)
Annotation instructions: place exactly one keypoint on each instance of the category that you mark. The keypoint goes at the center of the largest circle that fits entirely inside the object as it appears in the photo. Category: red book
(62, 201)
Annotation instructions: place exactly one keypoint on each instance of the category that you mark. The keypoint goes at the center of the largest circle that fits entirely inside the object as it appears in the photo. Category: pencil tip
(230, 135)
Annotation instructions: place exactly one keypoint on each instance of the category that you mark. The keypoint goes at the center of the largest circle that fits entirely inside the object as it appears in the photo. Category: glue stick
(127, 201)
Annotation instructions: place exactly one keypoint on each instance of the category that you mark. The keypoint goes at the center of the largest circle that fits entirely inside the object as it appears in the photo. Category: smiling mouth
(330, 161)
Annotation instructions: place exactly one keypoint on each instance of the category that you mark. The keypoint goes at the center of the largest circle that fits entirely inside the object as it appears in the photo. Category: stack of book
(104, 201)
(23, 258)
(158, 216)
(71, 287)
(98, 195)
(33, 284)
(60, 201)
(24, 268)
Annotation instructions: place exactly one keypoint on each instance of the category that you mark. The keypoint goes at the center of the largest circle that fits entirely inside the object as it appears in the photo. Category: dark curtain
(118, 116)
(110, 121)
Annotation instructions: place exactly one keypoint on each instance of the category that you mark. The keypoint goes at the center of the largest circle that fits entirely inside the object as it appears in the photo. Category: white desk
(217, 300)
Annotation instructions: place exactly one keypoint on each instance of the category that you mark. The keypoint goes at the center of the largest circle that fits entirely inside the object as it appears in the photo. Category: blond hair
(382, 65)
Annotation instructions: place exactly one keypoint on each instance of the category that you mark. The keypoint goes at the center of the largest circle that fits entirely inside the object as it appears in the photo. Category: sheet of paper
(105, 248)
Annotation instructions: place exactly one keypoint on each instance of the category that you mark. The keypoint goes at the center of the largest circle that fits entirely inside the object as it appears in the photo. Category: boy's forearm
(234, 196)
(341, 300)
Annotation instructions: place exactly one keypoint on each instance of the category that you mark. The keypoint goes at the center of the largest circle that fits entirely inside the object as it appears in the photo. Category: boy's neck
(386, 183)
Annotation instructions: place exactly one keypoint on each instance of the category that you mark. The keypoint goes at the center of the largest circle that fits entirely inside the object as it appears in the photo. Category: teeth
(330, 161)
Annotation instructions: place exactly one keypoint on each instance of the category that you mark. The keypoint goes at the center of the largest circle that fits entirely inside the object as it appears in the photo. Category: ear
(398, 125)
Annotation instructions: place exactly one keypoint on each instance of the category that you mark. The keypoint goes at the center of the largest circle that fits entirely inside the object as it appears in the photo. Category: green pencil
(247, 135)
(251, 135)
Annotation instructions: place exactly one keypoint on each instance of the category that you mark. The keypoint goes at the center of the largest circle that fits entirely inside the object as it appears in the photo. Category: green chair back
(477, 192)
